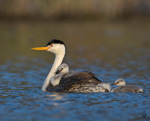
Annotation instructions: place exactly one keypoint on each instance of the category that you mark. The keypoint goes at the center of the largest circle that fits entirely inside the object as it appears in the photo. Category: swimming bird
(73, 81)
(63, 70)
(125, 88)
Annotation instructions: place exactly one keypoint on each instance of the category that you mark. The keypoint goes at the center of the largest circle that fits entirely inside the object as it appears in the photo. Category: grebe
(62, 69)
(125, 88)
(73, 81)
(63, 72)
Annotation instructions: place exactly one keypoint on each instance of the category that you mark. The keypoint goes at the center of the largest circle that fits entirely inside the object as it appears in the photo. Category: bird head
(54, 46)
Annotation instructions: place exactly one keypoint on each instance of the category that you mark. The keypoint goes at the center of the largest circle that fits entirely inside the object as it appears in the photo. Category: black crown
(55, 41)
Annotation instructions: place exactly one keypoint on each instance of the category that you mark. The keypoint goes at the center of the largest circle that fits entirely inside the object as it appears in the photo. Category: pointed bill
(40, 48)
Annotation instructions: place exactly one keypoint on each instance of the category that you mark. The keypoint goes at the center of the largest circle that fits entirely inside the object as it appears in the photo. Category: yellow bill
(40, 48)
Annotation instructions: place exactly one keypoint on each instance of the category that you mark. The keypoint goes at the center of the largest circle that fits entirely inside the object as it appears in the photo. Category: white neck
(57, 62)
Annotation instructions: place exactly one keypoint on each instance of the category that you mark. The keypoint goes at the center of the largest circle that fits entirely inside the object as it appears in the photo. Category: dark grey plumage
(75, 82)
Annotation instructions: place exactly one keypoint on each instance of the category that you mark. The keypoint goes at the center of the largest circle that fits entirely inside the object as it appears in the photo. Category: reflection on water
(110, 50)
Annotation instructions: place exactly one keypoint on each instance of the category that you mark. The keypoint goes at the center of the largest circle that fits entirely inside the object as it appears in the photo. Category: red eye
(51, 45)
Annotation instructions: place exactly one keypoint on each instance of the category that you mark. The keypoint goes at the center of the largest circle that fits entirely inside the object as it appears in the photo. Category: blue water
(111, 50)
(22, 99)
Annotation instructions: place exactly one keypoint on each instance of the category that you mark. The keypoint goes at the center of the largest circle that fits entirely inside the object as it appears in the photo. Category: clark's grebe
(125, 88)
(73, 81)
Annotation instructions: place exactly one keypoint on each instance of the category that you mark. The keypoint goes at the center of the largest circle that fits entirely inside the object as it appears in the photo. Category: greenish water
(109, 49)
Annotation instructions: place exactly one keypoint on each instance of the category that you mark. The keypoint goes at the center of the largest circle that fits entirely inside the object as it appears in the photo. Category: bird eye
(51, 45)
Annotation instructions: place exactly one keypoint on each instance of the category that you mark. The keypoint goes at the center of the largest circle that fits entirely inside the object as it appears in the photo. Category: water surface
(109, 49)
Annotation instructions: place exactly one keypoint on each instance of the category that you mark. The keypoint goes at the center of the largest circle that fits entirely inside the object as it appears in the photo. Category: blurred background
(73, 9)
(105, 26)
(86, 26)
(110, 38)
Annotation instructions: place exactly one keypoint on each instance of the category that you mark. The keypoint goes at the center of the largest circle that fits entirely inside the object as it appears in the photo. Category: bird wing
(74, 79)
(78, 78)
